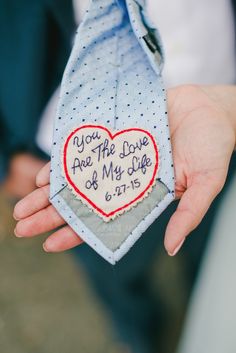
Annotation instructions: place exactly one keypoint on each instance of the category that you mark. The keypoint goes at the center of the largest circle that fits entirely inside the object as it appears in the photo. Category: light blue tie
(113, 81)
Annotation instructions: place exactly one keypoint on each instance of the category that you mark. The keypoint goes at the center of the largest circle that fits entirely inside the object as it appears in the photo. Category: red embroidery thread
(112, 137)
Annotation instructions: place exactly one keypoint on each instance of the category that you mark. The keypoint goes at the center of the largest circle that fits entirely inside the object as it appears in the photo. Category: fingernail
(45, 247)
(15, 218)
(17, 235)
(177, 249)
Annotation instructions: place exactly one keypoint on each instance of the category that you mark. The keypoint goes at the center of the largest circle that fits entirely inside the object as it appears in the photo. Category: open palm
(203, 140)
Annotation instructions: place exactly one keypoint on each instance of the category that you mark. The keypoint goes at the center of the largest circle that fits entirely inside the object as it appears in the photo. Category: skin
(23, 169)
(203, 134)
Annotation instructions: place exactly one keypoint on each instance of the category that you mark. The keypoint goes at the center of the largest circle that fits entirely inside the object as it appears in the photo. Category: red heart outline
(112, 137)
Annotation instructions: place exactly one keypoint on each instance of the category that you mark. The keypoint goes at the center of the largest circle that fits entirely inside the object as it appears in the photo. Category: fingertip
(38, 182)
(50, 245)
(45, 247)
(16, 218)
(171, 237)
(62, 240)
(16, 234)
(23, 228)
(43, 176)
(176, 232)
(17, 212)
(177, 249)
(18, 231)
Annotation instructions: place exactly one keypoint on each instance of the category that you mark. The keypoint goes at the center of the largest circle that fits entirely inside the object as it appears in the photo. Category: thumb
(191, 209)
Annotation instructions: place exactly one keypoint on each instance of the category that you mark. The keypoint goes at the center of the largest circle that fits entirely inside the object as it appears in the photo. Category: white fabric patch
(108, 171)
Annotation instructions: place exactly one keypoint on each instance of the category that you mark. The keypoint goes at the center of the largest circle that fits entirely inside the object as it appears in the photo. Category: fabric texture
(110, 172)
(187, 45)
(113, 79)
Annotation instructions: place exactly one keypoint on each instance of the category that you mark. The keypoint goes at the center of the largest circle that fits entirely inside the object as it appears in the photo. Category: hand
(203, 129)
(36, 215)
(23, 169)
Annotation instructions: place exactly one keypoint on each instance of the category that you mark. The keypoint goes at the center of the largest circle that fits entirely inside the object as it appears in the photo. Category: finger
(32, 203)
(191, 209)
(63, 239)
(43, 221)
(43, 176)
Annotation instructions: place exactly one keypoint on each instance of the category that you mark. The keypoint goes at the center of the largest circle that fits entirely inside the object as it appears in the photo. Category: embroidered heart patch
(110, 172)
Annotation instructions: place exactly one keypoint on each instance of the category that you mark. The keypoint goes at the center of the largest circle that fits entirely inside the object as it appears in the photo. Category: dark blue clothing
(35, 42)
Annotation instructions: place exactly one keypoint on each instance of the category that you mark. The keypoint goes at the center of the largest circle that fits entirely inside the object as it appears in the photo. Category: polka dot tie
(111, 163)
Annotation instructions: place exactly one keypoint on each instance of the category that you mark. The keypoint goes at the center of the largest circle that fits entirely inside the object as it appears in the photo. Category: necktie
(111, 163)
